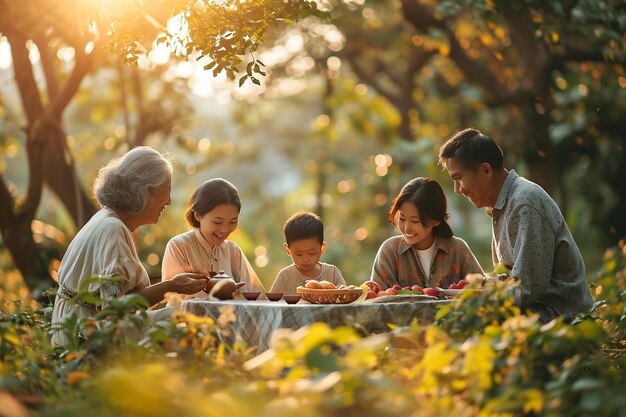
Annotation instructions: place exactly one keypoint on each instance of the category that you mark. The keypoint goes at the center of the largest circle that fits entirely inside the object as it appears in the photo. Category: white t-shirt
(426, 258)
(289, 278)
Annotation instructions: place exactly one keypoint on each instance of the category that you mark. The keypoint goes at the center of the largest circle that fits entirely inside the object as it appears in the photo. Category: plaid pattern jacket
(398, 263)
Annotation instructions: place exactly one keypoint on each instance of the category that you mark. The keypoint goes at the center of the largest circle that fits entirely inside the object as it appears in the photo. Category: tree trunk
(48, 160)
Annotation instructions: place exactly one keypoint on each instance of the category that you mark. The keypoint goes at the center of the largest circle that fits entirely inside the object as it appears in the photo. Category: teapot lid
(221, 274)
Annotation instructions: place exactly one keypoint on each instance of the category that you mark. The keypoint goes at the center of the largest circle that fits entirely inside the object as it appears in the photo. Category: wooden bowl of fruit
(325, 292)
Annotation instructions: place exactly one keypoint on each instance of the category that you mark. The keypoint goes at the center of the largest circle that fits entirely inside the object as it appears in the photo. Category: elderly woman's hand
(189, 282)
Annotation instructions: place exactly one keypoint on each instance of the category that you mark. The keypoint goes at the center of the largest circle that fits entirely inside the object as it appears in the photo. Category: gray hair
(123, 184)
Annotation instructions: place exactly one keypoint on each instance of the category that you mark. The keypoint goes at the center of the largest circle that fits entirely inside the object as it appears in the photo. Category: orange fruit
(313, 284)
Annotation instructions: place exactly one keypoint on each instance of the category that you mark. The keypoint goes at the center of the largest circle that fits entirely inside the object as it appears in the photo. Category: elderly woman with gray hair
(133, 191)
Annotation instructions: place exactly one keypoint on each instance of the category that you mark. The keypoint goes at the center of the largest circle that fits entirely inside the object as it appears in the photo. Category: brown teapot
(222, 286)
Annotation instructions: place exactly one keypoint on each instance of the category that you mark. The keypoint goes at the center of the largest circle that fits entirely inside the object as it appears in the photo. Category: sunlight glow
(321, 121)
(204, 145)
(66, 54)
(153, 259)
(383, 160)
(33, 52)
(345, 186)
(177, 26)
(5, 54)
(286, 87)
(160, 54)
(109, 143)
(334, 37)
(301, 65)
(360, 234)
(149, 239)
(261, 261)
(11, 151)
(360, 89)
(191, 168)
(333, 63)
(89, 47)
(295, 42)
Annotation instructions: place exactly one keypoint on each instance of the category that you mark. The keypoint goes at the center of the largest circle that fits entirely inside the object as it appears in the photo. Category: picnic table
(256, 320)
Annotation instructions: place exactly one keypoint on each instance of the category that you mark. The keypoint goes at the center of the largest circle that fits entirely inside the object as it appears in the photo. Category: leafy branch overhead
(224, 33)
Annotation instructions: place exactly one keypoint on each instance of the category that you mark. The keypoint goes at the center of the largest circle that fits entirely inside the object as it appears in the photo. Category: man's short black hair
(471, 147)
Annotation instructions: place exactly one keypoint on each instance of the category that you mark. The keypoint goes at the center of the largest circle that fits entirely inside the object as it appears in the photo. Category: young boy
(304, 235)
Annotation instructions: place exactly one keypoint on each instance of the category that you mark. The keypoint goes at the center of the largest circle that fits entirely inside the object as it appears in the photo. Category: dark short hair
(428, 197)
(304, 225)
(471, 147)
(210, 195)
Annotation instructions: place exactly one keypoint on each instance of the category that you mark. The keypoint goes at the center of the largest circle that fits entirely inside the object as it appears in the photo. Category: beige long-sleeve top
(289, 278)
(104, 246)
(190, 252)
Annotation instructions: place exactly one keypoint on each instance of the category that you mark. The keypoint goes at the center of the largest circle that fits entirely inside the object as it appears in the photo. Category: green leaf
(443, 311)
(586, 384)
(318, 359)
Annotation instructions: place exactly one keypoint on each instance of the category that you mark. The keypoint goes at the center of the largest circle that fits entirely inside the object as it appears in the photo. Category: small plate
(409, 298)
(454, 293)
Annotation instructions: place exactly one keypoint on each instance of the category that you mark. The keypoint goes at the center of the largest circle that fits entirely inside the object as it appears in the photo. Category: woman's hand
(189, 283)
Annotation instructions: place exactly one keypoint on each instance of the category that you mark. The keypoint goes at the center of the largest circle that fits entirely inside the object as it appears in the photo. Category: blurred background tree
(350, 109)
(53, 48)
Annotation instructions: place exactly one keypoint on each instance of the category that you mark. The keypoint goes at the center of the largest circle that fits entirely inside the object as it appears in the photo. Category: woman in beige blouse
(214, 214)
(133, 191)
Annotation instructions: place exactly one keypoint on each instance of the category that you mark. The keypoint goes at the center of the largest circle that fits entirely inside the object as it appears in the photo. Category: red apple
(370, 294)
(397, 287)
(431, 291)
(373, 286)
(417, 288)
(454, 287)
(462, 284)
(392, 291)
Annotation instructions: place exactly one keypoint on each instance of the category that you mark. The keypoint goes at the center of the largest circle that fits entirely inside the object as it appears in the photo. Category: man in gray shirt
(529, 234)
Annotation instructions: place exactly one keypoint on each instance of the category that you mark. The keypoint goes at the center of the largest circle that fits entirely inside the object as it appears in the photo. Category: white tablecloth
(256, 320)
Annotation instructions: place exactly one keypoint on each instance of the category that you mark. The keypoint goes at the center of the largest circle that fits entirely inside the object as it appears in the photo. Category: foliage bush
(479, 358)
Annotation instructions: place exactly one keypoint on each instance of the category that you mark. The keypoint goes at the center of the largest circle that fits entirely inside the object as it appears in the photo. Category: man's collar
(506, 189)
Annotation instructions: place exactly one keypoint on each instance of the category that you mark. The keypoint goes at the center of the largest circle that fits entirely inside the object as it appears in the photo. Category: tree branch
(48, 67)
(371, 79)
(62, 99)
(6, 205)
(423, 20)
